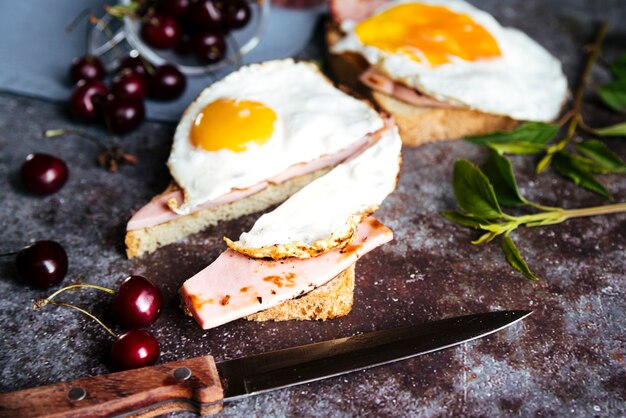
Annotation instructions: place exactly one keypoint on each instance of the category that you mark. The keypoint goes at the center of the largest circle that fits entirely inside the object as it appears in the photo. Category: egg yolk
(232, 124)
(428, 33)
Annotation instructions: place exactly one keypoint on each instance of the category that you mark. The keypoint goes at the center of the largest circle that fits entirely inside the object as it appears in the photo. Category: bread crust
(146, 240)
(417, 125)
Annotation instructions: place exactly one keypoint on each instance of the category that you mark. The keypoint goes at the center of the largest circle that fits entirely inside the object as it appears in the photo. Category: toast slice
(417, 125)
(146, 240)
(332, 300)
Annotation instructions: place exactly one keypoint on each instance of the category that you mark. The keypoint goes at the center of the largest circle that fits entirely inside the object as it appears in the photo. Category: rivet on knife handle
(188, 385)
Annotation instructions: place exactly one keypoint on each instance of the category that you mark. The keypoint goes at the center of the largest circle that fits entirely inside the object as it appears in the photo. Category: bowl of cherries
(198, 36)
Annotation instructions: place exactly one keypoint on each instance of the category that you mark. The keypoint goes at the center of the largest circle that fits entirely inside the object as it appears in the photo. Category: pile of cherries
(137, 303)
(121, 108)
(198, 26)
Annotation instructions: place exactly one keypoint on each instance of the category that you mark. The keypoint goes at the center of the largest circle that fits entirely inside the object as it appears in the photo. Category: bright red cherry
(134, 349)
(176, 8)
(210, 47)
(138, 303)
(42, 264)
(236, 14)
(160, 31)
(124, 113)
(83, 102)
(207, 14)
(167, 83)
(136, 64)
(86, 68)
(129, 83)
(44, 174)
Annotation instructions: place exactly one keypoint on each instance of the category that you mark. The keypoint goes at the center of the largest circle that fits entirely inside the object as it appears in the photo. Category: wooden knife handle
(188, 385)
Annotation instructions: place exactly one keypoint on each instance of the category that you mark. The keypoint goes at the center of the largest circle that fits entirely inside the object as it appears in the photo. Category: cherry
(138, 303)
(42, 264)
(210, 47)
(82, 101)
(86, 68)
(176, 8)
(136, 64)
(43, 174)
(207, 14)
(129, 83)
(124, 113)
(160, 31)
(185, 44)
(237, 14)
(167, 82)
(136, 348)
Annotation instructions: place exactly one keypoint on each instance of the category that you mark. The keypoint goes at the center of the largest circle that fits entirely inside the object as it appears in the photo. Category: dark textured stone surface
(566, 359)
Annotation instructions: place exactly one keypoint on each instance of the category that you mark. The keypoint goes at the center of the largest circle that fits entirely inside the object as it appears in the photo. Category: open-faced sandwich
(249, 142)
(315, 236)
(442, 68)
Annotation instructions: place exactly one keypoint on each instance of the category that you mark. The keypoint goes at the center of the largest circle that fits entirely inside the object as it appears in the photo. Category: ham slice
(157, 211)
(235, 286)
(355, 10)
(378, 81)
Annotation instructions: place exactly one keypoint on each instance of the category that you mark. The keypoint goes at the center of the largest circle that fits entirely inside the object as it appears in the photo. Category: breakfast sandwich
(248, 142)
(442, 68)
(315, 236)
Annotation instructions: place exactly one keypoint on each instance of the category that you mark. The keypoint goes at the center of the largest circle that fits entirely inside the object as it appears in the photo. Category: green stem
(595, 210)
(86, 313)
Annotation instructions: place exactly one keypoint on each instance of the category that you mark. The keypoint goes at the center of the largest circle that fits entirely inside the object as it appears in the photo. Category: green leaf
(489, 236)
(473, 192)
(530, 132)
(602, 155)
(613, 130)
(618, 68)
(515, 259)
(464, 219)
(568, 166)
(500, 173)
(517, 147)
(613, 94)
(544, 162)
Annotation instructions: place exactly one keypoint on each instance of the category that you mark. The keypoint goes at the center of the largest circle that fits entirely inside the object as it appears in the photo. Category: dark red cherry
(44, 174)
(124, 113)
(185, 44)
(136, 64)
(210, 47)
(83, 102)
(176, 8)
(167, 83)
(207, 14)
(86, 68)
(42, 264)
(236, 14)
(129, 83)
(136, 348)
(138, 303)
(160, 31)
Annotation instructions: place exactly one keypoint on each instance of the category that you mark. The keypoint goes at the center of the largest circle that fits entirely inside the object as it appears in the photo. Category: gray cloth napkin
(36, 52)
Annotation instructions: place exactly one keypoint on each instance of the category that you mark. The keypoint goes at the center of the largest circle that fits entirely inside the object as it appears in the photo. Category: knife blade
(200, 385)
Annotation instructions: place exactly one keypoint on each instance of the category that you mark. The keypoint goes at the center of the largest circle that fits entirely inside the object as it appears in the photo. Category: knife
(200, 385)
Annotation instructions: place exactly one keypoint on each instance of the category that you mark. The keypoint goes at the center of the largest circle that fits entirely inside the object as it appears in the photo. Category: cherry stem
(70, 28)
(8, 254)
(90, 315)
(76, 286)
(51, 133)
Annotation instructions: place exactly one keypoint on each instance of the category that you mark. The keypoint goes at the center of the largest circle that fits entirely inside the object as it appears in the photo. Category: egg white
(331, 205)
(313, 119)
(525, 83)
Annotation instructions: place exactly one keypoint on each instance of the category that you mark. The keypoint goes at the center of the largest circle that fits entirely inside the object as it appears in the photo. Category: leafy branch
(588, 157)
(480, 194)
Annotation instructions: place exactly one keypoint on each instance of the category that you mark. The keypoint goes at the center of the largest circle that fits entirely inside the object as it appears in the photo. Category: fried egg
(450, 50)
(324, 214)
(257, 122)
